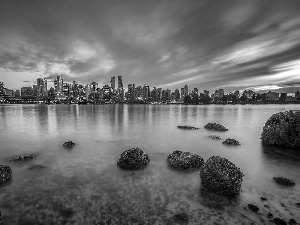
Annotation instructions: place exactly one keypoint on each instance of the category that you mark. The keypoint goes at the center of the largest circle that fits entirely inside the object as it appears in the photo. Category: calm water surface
(84, 186)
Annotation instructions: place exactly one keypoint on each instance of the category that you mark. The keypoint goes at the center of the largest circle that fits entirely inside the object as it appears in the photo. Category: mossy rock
(221, 176)
(133, 158)
(5, 173)
(184, 160)
(283, 129)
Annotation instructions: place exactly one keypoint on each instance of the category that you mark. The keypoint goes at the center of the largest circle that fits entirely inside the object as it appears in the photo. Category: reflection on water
(84, 186)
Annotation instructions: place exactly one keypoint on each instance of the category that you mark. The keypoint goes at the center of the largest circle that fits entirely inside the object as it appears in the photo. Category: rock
(267, 206)
(279, 221)
(36, 167)
(270, 215)
(22, 158)
(283, 129)
(263, 199)
(284, 181)
(221, 176)
(215, 126)
(5, 173)
(69, 144)
(187, 127)
(253, 208)
(215, 137)
(292, 222)
(182, 217)
(298, 204)
(133, 158)
(184, 160)
(230, 141)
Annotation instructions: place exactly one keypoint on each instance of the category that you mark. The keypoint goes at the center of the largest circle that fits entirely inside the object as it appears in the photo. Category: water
(84, 185)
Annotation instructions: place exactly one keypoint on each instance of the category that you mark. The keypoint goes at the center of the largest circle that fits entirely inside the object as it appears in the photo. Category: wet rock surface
(133, 158)
(33, 167)
(284, 181)
(22, 158)
(221, 176)
(215, 126)
(187, 127)
(253, 208)
(69, 144)
(5, 173)
(184, 160)
(279, 221)
(283, 129)
(217, 137)
(292, 222)
(231, 141)
(182, 217)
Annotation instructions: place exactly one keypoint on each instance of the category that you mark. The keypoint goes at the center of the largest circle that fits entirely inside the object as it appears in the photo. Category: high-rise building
(113, 83)
(17, 94)
(41, 87)
(131, 92)
(297, 95)
(195, 93)
(206, 92)
(186, 90)
(1, 88)
(182, 93)
(65, 90)
(58, 85)
(26, 92)
(138, 92)
(120, 88)
(177, 94)
(146, 92)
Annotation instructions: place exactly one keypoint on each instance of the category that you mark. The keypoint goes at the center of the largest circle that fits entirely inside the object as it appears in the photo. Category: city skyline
(230, 45)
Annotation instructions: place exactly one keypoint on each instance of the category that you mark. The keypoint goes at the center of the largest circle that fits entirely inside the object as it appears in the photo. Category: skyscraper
(113, 83)
(1, 88)
(186, 90)
(41, 87)
(58, 84)
(131, 92)
(120, 88)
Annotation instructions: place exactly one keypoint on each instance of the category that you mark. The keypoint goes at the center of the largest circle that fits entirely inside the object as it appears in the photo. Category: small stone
(279, 221)
(69, 144)
(187, 127)
(231, 141)
(292, 222)
(215, 126)
(217, 137)
(263, 199)
(22, 158)
(253, 208)
(270, 215)
(284, 181)
(182, 217)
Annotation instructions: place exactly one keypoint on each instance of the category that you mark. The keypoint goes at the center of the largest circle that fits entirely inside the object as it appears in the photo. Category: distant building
(186, 90)
(146, 92)
(182, 93)
(17, 94)
(26, 92)
(113, 83)
(237, 94)
(131, 92)
(41, 87)
(120, 88)
(297, 95)
(206, 92)
(272, 96)
(58, 85)
(177, 94)
(248, 93)
(2, 89)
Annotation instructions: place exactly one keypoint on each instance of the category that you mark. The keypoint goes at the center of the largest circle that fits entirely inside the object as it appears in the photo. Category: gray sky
(206, 44)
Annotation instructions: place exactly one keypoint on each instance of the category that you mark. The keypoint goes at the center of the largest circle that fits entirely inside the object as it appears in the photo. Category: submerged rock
(215, 126)
(182, 217)
(253, 208)
(230, 141)
(283, 129)
(292, 222)
(22, 158)
(184, 160)
(133, 158)
(187, 127)
(284, 181)
(221, 176)
(217, 137)
(279, 221)
(5, 173)
(263, 199)
(36, 167)
(297, 204)
(69, 144)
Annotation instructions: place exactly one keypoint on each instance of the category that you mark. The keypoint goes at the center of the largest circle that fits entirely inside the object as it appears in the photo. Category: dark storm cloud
(206, 44)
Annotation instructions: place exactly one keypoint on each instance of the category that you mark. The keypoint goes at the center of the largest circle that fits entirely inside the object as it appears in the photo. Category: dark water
(84, 186)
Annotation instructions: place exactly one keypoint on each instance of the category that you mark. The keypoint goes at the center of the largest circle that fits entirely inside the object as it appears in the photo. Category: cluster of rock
(231, 141)
(253, 208)
(181, 217)
(217, 137)
(22, 158)
(133, 158)
(69, 144)
(5, 173)
(279, 221)
(215, 126)
(187, 127)
(184, 160)
(284, 181)
(221, 176)
(283, 129)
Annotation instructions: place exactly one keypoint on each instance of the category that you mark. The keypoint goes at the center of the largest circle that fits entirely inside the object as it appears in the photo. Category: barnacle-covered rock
(133, 158)
(279, 221)
(215, 126)
(221, 176)
(231, 141)
(69, 144)
(181, 217)
(184, 160)
(284, 181)
(22, 158)
(187, 127)
(217, 137)
(253, 208)
(283, 129)
(5, 173)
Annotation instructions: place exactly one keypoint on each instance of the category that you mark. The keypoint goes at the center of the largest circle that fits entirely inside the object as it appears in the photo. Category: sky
(208, 44)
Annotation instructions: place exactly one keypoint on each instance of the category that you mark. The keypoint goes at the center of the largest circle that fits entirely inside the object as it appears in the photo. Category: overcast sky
(168, 43)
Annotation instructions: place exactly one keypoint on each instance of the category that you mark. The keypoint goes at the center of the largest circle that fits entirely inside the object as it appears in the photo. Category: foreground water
(84, 186)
